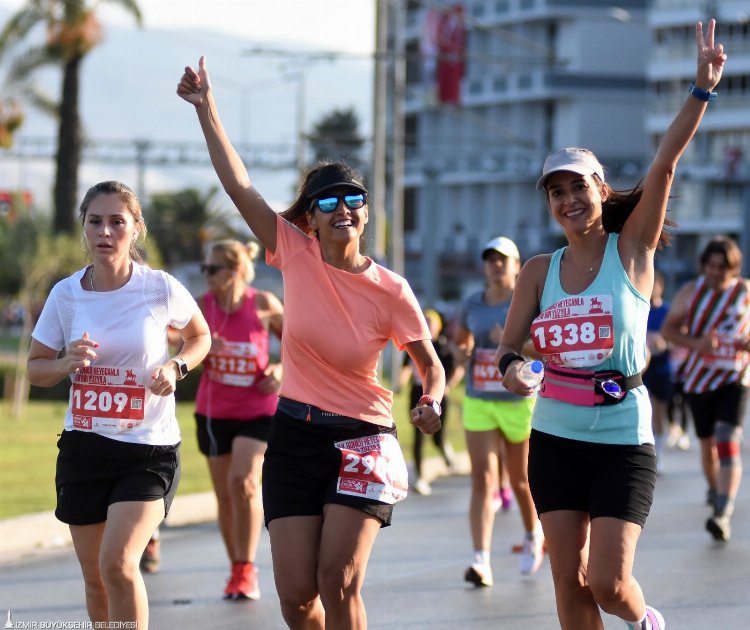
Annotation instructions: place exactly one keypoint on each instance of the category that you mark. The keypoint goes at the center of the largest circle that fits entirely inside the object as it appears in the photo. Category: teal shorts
(511, 417)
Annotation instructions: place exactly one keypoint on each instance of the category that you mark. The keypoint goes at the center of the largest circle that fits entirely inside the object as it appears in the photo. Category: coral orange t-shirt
(336, 324)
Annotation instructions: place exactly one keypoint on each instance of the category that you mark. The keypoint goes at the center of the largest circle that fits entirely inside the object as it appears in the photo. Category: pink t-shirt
(336, 324)
(227, 389)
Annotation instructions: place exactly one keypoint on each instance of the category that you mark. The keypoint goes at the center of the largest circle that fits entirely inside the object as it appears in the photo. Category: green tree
(54, 257)
(72, 31)
(181, 222)
(336, 137)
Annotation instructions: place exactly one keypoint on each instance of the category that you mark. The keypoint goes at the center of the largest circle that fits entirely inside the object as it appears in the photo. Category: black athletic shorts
(94, 471)
(215, 436)
(301, 466)
(659, 385)
(599, 479)
(725, 404)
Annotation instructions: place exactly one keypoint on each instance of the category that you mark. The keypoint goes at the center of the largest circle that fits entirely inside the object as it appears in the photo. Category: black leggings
(437, 438)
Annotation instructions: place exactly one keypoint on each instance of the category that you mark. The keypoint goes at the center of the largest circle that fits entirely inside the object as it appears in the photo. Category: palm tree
(72, 31)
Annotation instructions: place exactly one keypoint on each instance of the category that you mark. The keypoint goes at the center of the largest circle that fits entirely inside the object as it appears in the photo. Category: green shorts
(511, 417)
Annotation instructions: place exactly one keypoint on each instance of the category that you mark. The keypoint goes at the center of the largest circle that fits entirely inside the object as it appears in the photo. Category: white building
(712, 191)
(542, 74)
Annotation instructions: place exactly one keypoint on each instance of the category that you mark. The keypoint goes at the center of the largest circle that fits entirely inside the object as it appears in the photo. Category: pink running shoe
(655, 619)
(506, 498)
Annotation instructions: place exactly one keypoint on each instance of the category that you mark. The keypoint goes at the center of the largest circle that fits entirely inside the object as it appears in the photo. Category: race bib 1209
(107, 399)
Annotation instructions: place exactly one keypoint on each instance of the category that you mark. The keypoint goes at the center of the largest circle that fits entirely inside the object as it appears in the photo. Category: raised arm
(195, 88)
(643, 227)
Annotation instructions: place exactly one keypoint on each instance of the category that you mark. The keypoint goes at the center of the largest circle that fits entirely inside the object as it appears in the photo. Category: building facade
(537, 75)
(711, 194)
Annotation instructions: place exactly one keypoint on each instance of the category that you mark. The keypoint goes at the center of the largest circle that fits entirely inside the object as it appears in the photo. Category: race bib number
(485, 374)
(576, 331)
(726, 356)
(373, 467)
(107, 399)
(236, 364)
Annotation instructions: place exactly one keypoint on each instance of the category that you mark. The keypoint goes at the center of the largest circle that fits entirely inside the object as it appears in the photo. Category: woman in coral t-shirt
(333, 468)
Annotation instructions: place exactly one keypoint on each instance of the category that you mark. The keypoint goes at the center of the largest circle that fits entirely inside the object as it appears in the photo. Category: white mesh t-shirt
(111, 397)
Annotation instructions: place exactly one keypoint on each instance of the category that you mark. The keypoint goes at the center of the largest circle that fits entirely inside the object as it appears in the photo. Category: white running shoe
(532, 553)
(479, 575)
(423, 487)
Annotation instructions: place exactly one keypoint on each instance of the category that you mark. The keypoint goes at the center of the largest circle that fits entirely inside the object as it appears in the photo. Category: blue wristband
(701, 95)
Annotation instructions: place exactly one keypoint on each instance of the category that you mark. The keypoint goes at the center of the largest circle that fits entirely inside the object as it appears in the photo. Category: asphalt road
(414, 578)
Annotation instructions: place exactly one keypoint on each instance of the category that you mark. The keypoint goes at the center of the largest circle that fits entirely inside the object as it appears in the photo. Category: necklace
(91, 278)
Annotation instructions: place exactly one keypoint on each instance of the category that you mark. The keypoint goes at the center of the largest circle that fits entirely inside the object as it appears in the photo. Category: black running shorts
(215, 436)
(94, 471)
(599, 479)
(725, 404)
(302, 465)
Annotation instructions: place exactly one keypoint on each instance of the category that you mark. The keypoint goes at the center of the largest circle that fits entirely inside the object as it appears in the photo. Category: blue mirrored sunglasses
(329, 204)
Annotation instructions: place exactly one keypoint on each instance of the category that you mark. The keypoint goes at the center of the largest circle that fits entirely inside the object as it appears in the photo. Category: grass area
(27, 465)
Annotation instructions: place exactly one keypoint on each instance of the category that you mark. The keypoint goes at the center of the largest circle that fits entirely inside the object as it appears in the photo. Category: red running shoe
(247, 581)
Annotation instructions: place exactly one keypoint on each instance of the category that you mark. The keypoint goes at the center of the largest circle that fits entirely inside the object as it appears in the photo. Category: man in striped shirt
(710, 316)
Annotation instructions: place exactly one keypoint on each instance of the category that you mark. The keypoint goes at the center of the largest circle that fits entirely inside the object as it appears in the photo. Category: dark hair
(619, 205)
(297, 213)
(725, 246)
(128, 197)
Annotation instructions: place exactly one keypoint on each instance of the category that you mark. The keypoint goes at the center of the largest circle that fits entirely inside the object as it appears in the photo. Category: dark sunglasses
(329, 204)
(211, 269)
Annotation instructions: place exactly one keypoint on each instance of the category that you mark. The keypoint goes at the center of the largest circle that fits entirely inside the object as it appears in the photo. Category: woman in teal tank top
(592, 463)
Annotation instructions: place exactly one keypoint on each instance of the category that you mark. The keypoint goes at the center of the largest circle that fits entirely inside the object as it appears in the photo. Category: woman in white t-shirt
(118, 465)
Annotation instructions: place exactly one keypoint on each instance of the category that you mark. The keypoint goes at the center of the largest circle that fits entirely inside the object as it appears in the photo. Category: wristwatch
(430, 402)
(182, 368)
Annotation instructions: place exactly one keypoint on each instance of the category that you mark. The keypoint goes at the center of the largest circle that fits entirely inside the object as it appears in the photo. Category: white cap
(501, 245)
(573, 159)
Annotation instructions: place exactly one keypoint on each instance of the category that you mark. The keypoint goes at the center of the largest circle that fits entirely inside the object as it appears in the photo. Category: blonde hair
(128, 197)
(237, 256)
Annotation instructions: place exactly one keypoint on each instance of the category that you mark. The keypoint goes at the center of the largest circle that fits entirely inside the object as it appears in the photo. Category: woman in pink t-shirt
(236, 400)
(333, 469)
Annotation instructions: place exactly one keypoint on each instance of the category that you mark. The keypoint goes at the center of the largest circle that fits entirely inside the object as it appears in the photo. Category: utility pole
(398, 143)
(397, 161)
(379, 131)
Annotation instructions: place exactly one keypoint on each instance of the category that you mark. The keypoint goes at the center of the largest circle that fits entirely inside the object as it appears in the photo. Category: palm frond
(37, 97)
(23, 66)
(19, 25)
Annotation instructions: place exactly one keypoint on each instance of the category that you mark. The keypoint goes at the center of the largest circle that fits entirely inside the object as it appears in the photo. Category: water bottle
(531, 373)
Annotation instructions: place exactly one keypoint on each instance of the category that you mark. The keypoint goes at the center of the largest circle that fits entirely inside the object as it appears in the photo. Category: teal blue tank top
(612, 313)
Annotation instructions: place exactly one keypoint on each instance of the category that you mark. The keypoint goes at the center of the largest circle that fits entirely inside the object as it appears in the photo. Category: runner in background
(118, 465)
(710, 316)
(237, 397)
(496, 421)
(453, 375)
(658, 375)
